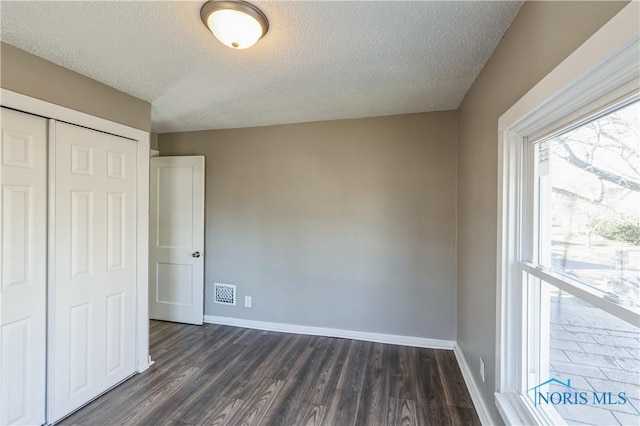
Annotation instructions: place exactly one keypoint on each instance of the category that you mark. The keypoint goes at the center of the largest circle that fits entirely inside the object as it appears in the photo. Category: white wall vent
(224, 293)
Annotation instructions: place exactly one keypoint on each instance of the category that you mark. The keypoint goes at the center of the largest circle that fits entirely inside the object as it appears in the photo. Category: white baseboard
(419, 342)
(486, 418)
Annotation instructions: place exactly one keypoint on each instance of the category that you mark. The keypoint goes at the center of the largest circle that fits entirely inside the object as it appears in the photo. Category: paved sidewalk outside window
(598, 352)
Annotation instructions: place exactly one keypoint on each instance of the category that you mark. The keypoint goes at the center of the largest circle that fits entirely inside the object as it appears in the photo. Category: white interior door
(176, 251)
(93, 265)
(24, 261)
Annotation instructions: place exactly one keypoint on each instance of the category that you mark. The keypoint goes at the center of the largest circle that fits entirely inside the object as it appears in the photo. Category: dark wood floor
(219, 375)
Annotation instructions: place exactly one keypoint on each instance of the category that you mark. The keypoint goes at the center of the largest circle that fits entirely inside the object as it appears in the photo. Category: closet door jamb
(51, 258)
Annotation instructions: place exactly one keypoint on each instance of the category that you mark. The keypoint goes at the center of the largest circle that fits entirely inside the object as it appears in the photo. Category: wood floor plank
(255, 407)
(431, 406)
(352, 376)
(250, 372)
(390, 357)
(401, 363)
(222, 379)
(374, 405)
(321, 390)
(463, 416)
(289, 407)
(455, 389)
(247, 337)
(314, 415)
(221, 412)
(134, 414)
(289, 359)
(172, 334)
(197, 398)
(133, 389)
(171, 422)
(178, 351)
(343, 408)
(402, 412)
(377, 356)
(158, 329)
(222, 375)
(182, 398)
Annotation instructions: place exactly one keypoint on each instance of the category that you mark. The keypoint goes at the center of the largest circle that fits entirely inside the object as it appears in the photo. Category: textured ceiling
(319, 60)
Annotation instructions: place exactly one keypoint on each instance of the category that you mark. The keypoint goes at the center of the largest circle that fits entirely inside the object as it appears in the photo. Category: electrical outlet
(247, 301)
(482, 369)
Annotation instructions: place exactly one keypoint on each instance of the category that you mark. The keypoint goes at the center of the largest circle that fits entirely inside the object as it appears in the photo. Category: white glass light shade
(235, 23)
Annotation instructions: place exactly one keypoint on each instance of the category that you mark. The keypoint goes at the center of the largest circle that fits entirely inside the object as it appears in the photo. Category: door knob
(196, 254)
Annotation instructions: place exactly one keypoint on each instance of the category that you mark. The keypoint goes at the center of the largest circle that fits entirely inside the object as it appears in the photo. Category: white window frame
(600, 74)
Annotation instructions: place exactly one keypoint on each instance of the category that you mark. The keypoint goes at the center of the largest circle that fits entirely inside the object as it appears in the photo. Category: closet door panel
(94, 266)
(23, 158)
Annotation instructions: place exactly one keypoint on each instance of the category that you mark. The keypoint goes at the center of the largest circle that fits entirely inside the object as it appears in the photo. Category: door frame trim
(49, 110)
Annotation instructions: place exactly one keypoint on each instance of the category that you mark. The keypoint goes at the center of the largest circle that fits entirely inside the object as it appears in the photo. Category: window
(568, 336)
(580, 283)
(588, 204)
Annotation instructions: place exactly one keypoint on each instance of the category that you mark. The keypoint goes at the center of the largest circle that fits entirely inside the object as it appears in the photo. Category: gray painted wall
(346, 224)
(539, 38)
(30, 75)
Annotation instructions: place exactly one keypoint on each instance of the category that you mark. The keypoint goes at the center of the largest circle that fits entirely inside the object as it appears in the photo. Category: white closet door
(23, 290)
(94, 266)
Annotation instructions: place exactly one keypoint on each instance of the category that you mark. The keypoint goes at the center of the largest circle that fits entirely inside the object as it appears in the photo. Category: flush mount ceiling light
(236, 24)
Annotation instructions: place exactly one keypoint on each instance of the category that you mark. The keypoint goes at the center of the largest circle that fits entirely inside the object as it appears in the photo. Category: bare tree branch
(609, 176)
(573, 196)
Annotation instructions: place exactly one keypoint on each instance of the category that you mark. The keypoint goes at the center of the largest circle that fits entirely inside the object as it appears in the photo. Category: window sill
(515, 410)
